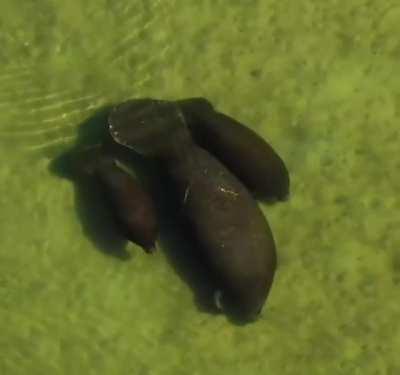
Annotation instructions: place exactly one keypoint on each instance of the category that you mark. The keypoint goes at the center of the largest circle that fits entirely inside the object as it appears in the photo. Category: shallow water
(319, 80)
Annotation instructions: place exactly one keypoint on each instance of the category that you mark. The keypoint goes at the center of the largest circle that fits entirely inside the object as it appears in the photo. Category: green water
(319, 79)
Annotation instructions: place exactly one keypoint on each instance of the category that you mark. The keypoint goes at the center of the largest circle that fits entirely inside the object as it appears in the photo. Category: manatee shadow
(185, 259)
(92, 208)
(176, 242)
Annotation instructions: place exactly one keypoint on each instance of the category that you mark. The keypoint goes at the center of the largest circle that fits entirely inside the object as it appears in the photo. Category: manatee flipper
(237, 146)
(218, 297)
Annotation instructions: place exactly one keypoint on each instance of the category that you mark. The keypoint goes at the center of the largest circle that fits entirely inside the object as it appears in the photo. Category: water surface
(320, 80)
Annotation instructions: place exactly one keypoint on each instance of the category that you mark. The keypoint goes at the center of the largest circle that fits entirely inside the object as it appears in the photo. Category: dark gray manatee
(242, 150)
(230, 228)
(133, 208)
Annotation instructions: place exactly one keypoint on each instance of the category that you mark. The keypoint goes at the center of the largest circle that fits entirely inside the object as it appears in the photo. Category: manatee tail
(150, 127)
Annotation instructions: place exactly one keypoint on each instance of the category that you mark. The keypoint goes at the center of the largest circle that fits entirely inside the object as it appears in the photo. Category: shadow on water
(180, 247)
(98, 225)
(101, 228)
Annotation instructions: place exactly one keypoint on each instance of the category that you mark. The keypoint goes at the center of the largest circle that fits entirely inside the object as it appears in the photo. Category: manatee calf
(132, 206)
(242, 150)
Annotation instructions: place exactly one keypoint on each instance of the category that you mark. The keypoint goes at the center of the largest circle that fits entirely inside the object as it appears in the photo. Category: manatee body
(133, 208)
(229, 226)
(242, 150)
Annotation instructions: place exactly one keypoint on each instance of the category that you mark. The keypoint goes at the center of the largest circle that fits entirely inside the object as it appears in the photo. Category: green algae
(326, 95)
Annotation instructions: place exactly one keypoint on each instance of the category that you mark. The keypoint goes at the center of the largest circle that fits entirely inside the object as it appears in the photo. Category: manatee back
(154, 128)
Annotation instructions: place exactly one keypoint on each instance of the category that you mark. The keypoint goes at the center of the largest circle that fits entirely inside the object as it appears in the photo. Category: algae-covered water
(319, 79)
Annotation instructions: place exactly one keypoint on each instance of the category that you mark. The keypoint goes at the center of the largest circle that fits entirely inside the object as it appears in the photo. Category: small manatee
(133, 207)
(237, 146)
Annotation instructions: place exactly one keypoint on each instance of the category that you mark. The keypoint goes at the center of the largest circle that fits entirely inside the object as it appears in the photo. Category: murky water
(319, 80)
